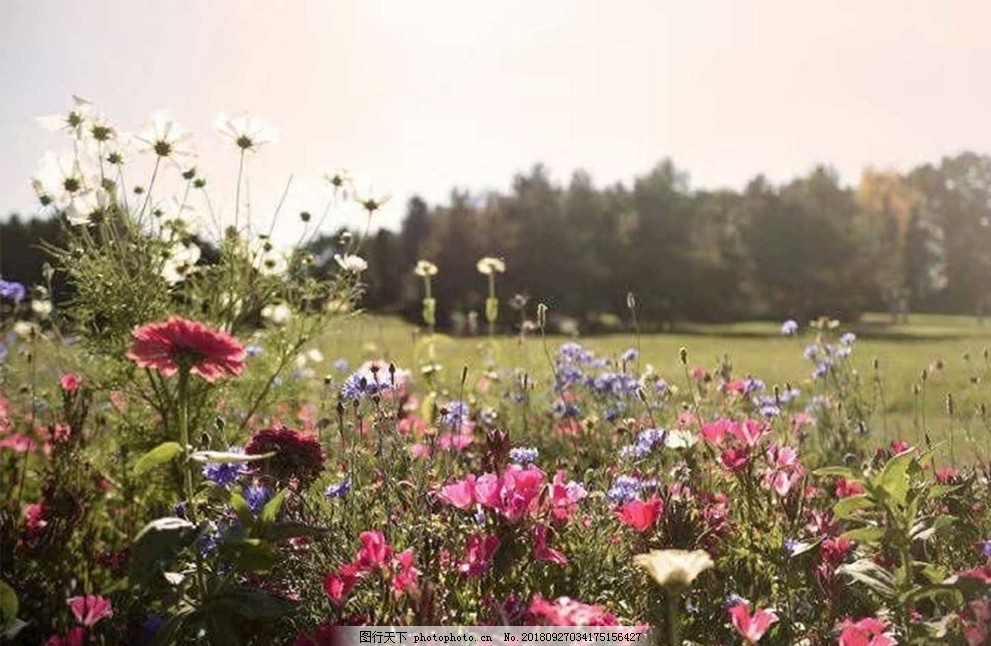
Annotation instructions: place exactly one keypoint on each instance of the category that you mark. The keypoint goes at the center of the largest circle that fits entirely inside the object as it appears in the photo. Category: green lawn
(755, 348)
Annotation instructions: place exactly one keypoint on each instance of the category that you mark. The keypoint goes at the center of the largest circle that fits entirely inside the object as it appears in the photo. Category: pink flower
(540, 549)
(899, 446)
(564, 496)
(835, 550)
(338, 585)
(749, 432)
(846, 488)
(406, 575)
(461, 494)
(166, 345)
(869, 631)
(89, 610)
(34, 516)
(786, 470)
(568, 612)
(375, 551)
(70, 382)
(480, 550)
(735, 459)
(639, 515)
(751, 627)
(715, 432)
(75, 637)
(801, 419)
(947, 475)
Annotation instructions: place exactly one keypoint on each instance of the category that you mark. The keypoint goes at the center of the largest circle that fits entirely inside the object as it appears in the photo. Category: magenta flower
(166, 345)
(540, 549)
(480, 550)
(89, 610)
(751, 627)
(868, 631)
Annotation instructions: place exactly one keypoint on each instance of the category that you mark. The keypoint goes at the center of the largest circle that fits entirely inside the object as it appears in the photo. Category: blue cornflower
(986, 548)
(810, 352)
(629, 356)
(614, 412)
(792, 546)
(13, 291)
(341, 365)
(224, 473)
(479, 515)
(179, 509)
(661, 385)
(848, 338)
(150, 627)
(789, 327)
(567, 374)
(256, 496)
(488, 415)
(253, 350)
(732, 600)
(337, 490)
(523, 455)
(624, 489)
(565, 409)
(362, 383)
(455, 415)
(572, 351)
(3, 351)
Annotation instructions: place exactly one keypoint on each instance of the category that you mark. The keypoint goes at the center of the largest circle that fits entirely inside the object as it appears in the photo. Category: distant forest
(913, 242)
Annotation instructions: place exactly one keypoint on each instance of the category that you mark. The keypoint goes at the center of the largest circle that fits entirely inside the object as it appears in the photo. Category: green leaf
(872, 575)
(846, 506)
(893, 479)
(224, 457)
(869, 535)
(841, 472)
(8, 605)
(272, 508)
(157, 545)
(249, 603)
(164, 452)
(938, 490)
(249, 554)
(281, 531)
(241, 508)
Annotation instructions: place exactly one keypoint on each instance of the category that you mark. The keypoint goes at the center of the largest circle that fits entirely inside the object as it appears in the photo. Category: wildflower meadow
(184, 461)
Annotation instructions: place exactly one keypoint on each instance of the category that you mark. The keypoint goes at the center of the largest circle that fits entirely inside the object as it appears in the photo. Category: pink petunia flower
(90, 609)
(751, 627)
(167, 345)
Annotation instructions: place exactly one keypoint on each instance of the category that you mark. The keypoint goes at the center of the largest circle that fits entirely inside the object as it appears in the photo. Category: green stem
(673, 636)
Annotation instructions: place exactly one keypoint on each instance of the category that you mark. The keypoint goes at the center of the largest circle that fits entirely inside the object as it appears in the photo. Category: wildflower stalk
(673, 628)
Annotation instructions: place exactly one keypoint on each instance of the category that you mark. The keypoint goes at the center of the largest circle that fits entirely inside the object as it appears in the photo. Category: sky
(421, 97)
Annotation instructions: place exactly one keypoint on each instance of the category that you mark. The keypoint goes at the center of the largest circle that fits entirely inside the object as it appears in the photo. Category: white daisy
(351, 263)
(245, 131)
(164, 137)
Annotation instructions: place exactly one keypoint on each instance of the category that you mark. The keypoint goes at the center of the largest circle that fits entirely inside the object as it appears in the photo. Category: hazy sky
(426, 95)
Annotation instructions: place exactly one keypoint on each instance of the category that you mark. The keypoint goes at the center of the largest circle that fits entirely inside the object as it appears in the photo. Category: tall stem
(673, 636)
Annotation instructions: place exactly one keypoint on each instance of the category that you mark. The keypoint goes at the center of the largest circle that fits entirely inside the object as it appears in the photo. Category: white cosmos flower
(314, 355)
(278, 313)
(101, 129)
(680, 439)
(42, 308)
(164, 137)
(351, 263)
(181, 262)
(87, 206)
(425, 268)
(61, 177)
(26, 329)
(674, 569)
(71, 121)
(489, 266)
(245, 131)
(267, 259)
(341, 180)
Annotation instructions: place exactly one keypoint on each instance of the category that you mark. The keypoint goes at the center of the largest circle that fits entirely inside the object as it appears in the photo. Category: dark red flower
(297, 454)
(166, 346)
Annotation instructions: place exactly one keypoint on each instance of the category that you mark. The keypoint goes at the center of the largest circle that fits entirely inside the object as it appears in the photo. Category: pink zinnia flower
(869, 631)
(70, 382)
(89, 610)
(165, 346)
(751, 627)
(639, 515)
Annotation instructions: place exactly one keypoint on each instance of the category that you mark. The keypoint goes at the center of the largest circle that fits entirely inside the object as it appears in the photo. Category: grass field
(950, 348)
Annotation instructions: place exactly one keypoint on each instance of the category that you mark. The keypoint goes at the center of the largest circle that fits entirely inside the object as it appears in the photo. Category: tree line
(897, 242)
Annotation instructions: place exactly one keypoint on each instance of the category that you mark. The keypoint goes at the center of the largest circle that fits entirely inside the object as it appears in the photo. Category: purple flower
(455, 415)
(523, 455)
(337, 490)
(256, 496)
(13, 291)
(789, 327)
(224, 473)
